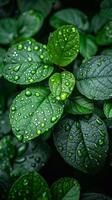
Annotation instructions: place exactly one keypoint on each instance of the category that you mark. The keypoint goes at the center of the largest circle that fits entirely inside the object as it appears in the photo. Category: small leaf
(29, 23)
(88, 46)
(8, 30)
(2, 56)
(80, 105)
(82, 143)
(104, 36)
(27, 62)
(61, 85)
(30, 186)
(94, 196)
(31, 156)
(33, 112)
(63, 45)
(94, 78)
(108, 109)
(65, 189)
(70, 16)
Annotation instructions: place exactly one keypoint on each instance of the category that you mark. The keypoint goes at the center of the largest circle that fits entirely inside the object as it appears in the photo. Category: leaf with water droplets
(2, 56)
(33, 112)
(27, 62)
(65, 189)
(70, 16)
(30, 186)
(82, 143)
(62, 85)
(30, 156)
(8, 30)
(94, 78)
(29, 23)
(108, 109)
(79, 105)
(104, 36)
(63, 45)
(94, 196)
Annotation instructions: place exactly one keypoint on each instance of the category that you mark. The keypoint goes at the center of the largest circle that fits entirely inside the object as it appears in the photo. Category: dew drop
(13, 108)
(20, 46)
(99, 121)
(100, 142)
(37, 94)
(63, 96)
(79, 153)
(16, 77)
(42, 125)
(16, 68)
(53, 119)
(28, 93)
(39, 132)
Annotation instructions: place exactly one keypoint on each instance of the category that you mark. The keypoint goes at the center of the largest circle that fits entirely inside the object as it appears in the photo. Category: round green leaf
(27, 62)
(94, 78)
(95, 196)
(33, 112)
(82, 143)
(65, 189)
(108, 109)
(88, 46)
(70, 16)
(29, 23)
(31, 156)
(79, 105)
(104, 36)
(61, 85)
(63, 45)
(30, 186)
(8, 30)
(2, 56)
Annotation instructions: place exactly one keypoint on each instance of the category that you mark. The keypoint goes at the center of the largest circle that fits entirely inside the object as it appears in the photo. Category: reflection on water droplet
(63, 96)
(99, 121)
(16, 78)
(13, 108)
(53, 119)
(28, 93)
(101, 142)
(20, 46)
(16, 68)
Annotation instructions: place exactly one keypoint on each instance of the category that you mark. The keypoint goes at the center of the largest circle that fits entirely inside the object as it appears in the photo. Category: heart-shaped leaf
(29, 23)
(8, 30)
(82, 143)
(65, 189)
(62, 84)
(70, 16)
(27, 62)
(63, 45)
(94, 78)
(33, 112)
(30, 186)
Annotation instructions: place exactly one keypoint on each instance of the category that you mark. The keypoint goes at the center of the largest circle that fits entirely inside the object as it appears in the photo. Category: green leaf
(27, 62)
(2, 56)
(4, 124)
(30, 186)
(104, 36)
(107, 52)
(63, 45)
(94, 196)
(82, 143)
(65, 189)
(30, 156)
(29, 23)
(8, 30)
(88, 46)
(62, 84)
(70, 16)
(108, 109)
(94, 78)
(44, 6)
(100, 19)
(33, 112)
(79, 105)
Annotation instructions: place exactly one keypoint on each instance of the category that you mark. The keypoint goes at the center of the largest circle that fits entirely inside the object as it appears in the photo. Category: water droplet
(28, 93)
(36, 48)
(20, 160)
(13, 108)
(60, 33)
(101, 142)
(53, 119)
(16, 77)
(29, 48)
(31, 80)
(79, 153)
(37, 94)
(33, 71)
(99, 121)
(20, 46)
(63, 96)
(39, 132)
(17, 68)
(29, 59)
(45, 66)
(73, 30)
(19, 137)
(25, 182)
(42, 125)
(42, 56)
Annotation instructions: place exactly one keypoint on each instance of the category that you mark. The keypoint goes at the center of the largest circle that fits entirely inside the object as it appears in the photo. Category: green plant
(59, 88)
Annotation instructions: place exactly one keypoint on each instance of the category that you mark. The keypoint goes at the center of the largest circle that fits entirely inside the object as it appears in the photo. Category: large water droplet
(28, 93)
(53, 119)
